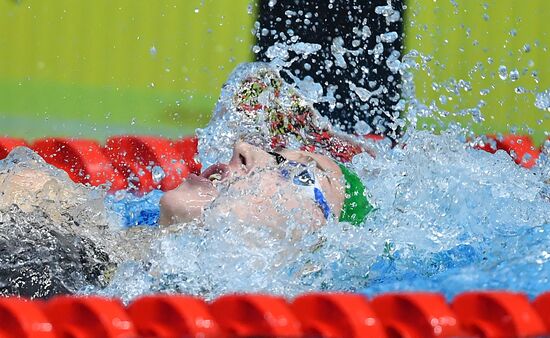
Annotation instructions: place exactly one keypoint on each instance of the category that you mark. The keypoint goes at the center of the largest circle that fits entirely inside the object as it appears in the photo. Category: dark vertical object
(360, 94)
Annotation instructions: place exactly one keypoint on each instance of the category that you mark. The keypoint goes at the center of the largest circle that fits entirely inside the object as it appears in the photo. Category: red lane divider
(416, 315)
(23, 319)
(173, 316)
(87, 317)
(498, 314)
(255, 316)
(487, 143)
(325, 315)
(542, 305)
(137, 156)
(337, 315)
(373, 137)
(7, 144)
(82, 159)
(187, 148)
(149, 162)
(520, 147)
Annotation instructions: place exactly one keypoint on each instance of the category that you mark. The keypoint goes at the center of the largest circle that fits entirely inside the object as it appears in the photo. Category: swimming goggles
(303, 177)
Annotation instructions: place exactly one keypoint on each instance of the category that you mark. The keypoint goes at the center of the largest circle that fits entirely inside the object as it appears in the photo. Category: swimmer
(277, 117)
(285, 178)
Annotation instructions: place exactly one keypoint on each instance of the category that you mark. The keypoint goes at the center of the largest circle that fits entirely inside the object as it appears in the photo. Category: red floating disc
(373, 137)
(487, 143)
(416, 315)
(86, 317)
(83, 160)
(255, 315)
(520, 148)
(497, 314)
(173, 316)
(541, 304)
(337, 315)
(186, 148)
(7, 144)
(20, 318)
(137, 157)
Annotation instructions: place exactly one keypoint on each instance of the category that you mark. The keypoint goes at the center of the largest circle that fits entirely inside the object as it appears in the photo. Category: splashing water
(542, 100)
(437, 227)
(55, 235)
(447, 219)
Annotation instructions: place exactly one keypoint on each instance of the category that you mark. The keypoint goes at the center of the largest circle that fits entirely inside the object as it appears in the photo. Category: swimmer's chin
(187, 202)
(177, 222)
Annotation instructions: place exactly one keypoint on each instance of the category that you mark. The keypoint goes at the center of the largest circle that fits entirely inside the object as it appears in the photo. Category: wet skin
(251, 188)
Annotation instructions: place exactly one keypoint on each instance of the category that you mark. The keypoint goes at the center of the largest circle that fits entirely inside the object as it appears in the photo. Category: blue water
(135, 210)
(518, 263)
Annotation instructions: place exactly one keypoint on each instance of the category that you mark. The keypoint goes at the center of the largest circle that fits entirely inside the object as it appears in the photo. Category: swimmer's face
(252, 188)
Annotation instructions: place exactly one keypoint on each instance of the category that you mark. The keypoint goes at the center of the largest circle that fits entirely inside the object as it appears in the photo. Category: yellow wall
(159, 62)
(87, 68)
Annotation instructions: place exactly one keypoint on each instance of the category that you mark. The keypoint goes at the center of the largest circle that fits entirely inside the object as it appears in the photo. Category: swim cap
(356, 205)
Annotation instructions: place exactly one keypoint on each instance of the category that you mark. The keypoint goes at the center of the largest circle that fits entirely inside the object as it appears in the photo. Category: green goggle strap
(356, 205)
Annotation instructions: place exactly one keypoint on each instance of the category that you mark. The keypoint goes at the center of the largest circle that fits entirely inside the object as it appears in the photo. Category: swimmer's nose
(248, 157)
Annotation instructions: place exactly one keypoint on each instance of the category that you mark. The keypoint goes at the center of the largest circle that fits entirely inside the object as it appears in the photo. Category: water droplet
(384, 10)
(476, 114)
(158, 174)
(542, 100)
(389, 37)
(520, 90)
(503, 72)
(363, 128)
(465, 85)
(378, 50)
(514, 75)
(153, 50)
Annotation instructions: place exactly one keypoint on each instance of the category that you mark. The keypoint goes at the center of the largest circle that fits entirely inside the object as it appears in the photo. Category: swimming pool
(453, 223)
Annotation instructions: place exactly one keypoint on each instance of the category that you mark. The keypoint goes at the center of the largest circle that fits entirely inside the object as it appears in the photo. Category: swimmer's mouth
(216, 172)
